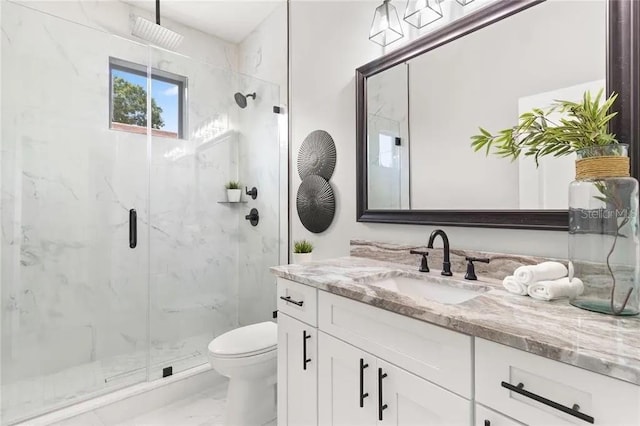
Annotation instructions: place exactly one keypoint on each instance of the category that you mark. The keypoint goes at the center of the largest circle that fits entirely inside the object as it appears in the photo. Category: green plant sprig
(232, 184)
(584, 125)
(302, 246)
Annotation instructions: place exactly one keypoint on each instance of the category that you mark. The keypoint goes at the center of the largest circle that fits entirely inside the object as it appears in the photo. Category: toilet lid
(246, 341)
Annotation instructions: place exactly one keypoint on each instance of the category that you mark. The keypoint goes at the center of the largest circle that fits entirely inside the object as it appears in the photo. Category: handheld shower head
(241, 99)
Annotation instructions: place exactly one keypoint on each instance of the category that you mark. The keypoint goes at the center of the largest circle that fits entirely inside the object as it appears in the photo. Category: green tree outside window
(130, 105)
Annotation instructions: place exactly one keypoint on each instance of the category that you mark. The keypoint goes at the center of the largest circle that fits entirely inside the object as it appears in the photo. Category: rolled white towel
(542, 272)
(514, 286)
(550, 290)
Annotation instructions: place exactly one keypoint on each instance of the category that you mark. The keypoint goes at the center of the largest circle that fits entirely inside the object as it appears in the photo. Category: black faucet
(446, 264)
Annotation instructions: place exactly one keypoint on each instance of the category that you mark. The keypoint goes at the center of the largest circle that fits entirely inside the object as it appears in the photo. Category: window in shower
(128, 100)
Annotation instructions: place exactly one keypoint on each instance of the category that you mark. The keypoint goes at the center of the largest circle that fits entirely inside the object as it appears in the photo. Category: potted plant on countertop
(302, 251)
(604, 240)
(233, 191)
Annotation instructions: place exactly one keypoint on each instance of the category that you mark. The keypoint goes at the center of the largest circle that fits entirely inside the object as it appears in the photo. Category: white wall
(329, 40)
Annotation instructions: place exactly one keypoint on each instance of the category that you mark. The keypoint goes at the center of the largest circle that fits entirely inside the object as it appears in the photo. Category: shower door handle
(133, 228)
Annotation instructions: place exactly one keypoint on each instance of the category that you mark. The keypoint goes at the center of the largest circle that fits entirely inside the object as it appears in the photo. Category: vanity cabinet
(344, 362)
(357, 388)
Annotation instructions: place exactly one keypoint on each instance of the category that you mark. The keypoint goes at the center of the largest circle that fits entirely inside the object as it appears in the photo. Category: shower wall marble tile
(73, 292)
(116, 17)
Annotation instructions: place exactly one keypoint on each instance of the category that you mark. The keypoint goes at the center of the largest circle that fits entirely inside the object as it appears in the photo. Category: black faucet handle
(424, 265)
(253, 192)
(471, 270)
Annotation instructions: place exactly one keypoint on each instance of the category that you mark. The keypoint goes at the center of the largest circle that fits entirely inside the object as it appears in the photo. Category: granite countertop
(601, 343)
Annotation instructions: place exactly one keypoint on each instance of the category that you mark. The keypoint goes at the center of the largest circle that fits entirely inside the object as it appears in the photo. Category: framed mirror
(418, 106)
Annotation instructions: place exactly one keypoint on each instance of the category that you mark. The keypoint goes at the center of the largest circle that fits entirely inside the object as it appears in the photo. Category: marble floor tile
(86, 419)
(204, 408)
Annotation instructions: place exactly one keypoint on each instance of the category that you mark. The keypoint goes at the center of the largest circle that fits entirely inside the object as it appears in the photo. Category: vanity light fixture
(423, 12)
(385, 28)
(464, 2)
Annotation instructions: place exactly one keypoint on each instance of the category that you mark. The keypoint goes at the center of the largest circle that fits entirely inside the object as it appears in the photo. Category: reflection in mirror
(436, 102)
(388, 130)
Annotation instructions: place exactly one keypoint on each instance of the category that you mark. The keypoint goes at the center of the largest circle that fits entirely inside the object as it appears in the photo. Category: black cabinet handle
(133, 228)
(289, 300)
(363, 395)
(573, 411)
(381, 406)
(305, 360)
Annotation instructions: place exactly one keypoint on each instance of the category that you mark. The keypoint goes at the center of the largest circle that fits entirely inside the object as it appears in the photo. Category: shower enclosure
(82, 312)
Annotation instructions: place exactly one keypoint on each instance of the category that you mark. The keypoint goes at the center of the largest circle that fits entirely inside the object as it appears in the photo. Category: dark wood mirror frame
(623, 77)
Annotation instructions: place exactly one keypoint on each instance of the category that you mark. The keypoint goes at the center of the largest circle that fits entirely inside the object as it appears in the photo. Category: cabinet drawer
(486, 417)
(606, 400)
(434, 353)
(301, 303)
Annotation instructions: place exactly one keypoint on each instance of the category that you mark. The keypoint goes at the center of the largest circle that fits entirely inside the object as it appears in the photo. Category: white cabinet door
(487, 417)
(408, 400)
(297, 373)
(346, 385)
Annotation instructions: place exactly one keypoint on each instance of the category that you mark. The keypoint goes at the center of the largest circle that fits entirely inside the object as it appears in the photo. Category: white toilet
(247, 356)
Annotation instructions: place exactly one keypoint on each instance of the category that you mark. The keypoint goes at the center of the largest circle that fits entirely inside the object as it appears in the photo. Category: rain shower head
(241, 99)
(156, 34)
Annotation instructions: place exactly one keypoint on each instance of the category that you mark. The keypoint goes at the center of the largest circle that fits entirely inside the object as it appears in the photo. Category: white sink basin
(423, 289)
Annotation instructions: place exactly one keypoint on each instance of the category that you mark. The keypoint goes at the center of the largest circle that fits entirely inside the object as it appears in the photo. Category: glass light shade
(422, 12)
(385, 28)
(464, 2)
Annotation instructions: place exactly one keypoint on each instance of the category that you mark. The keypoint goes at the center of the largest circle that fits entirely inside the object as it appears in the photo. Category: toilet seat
(251, 340)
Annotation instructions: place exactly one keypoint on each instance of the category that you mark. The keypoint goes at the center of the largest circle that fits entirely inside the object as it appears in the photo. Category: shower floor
(34, 396)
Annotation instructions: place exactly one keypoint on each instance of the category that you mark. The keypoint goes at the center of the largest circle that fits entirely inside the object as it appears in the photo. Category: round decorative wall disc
(317, 155)
(315, 203)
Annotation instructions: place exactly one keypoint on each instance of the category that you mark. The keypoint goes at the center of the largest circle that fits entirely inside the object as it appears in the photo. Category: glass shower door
(209, 266)
(194, 248)
(74, 294)
(259, 161)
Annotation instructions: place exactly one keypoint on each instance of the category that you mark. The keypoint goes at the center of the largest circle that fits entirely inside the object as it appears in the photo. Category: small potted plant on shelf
(302, 251)
(604, 236)
(233, 191)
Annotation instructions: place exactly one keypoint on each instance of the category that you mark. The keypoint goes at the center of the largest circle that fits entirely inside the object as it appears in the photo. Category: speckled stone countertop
(601, 343)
